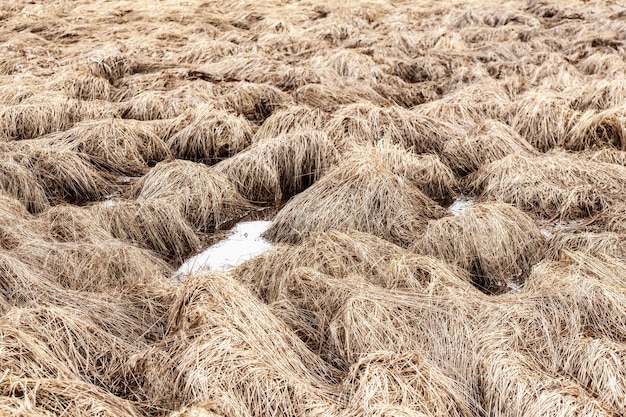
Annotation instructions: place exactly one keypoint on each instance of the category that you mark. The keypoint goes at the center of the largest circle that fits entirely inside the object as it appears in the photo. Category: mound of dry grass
(155, 105)
(68, 223)
(333, 97)
(489, 141)
(497, 243)
(359, 194)
(597, 130)
(156, 224)
(220, 350)
(82, 85)
(364, 123)
(339, 255)
(105, 266)
(43, 397)
(66, 175)
(600, 94)
(543, 119)
(614, 218)
(256, 102)
(110, 62)
(22, 183)
(292, 119)
(404, 380)
(16, 223)
(211, 135)
(556, 184)
(592, 243)
(120, 146)
(424, 171)
(278, 168)
(207, 199)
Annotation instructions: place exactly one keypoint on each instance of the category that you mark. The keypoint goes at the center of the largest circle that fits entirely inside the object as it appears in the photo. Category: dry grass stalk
(82, 85)
(278, 168)
(497, 243)
(156, 224)
(207, 199)
(360, 194)
(489, 141)
(556, 184)
(211, 135)
(334, 97)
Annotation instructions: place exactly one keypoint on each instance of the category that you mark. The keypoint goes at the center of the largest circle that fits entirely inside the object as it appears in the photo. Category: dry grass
(556, 184)
(105, 266)
(488, 142)
(120, 146)
(360, 194)
(155, 224)
(497, 243)
(207, 199)
(211, 136)
(278, 168)
(364, 123)
(339, 254)
(363, 116)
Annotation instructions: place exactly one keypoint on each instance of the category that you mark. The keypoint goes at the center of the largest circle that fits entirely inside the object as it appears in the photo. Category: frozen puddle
(244, 243)
(460, 205)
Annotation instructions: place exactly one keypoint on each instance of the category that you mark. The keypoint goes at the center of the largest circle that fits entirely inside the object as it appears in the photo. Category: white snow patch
(243, 244)
(460, 205)
(109, 203)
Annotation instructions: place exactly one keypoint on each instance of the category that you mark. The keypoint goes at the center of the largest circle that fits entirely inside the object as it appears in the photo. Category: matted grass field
(441, 187)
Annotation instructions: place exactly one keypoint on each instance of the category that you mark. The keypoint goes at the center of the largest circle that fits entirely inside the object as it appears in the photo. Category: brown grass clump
(66, 175)
(37, 117)
(82, 85)
(16, 224)
(207, 199)
(155, 105)
(424, 171)
(513, 386)
(497, 243)
(556, 184)
(256, 102)
(291, 119)
(360, 194)
(614, 218)
(339, 254)
(278, 168)
(544, 120)
(597, 130)
(211, 135)
(44, 397)
(601, 95)
(105, 266)
(334, 97)
(220, 350)
(366, 123)
(403, 380)
(592, 243)
(121, 146)
(156, 224)
(109, 62)
(64, 343)
(489, 141)
(69, 223)
(21, 182)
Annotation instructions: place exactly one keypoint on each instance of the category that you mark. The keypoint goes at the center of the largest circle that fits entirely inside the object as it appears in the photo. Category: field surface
(312, 208)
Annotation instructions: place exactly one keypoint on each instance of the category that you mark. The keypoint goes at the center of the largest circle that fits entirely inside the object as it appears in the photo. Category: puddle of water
(459, 205)
(244, 243)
